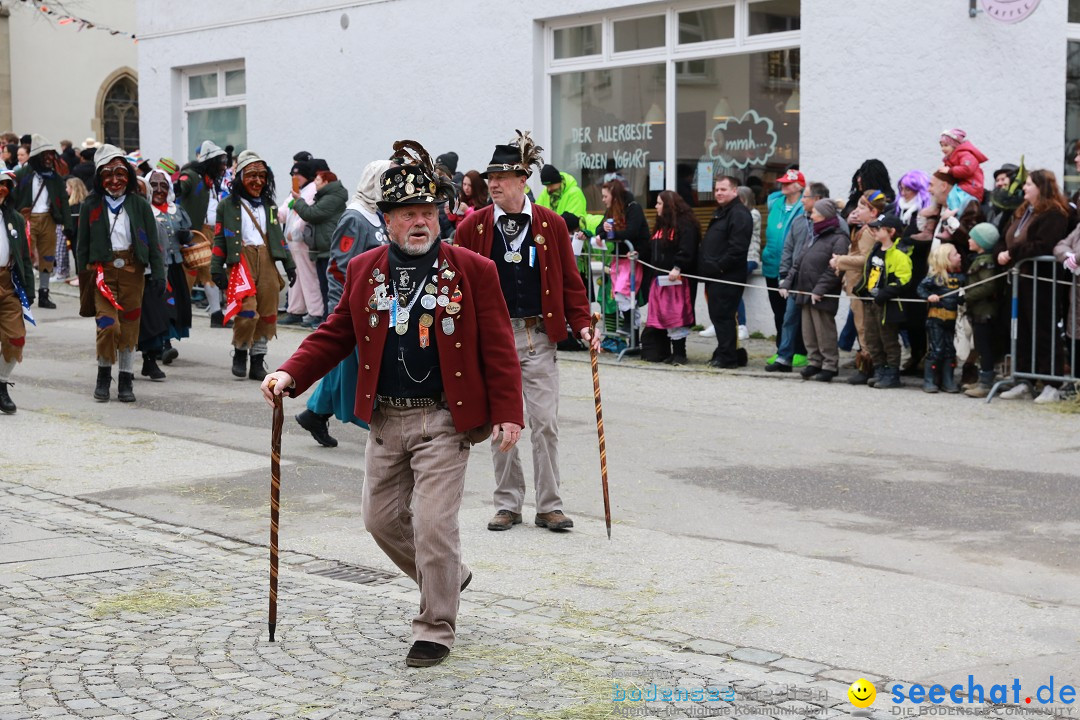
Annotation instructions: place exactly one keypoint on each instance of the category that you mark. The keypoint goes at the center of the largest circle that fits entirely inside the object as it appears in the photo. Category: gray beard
(415, 251)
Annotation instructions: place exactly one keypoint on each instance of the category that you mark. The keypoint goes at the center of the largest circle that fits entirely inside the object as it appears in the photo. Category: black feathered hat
(518, 156)
(412, 179)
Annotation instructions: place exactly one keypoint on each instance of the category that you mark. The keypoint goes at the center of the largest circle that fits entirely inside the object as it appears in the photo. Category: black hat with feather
(518, 157)
(412, 179)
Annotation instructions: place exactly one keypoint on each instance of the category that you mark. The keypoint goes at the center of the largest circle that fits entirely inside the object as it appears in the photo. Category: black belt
(411, 402)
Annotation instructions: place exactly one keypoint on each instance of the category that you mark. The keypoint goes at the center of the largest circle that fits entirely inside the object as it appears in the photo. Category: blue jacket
(776, 229)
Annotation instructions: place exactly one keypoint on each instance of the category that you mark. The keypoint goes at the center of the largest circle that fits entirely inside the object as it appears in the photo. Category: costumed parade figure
(248, 240)
(41, 196)
(16, 286)
(117, 241)
(199, 191)
(438, 370)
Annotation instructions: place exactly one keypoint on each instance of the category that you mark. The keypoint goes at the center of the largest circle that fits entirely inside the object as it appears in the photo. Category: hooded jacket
(811, 273)
(94, 246)
(323, 215)
(887, 279)
(965, 164)
(58, 198)
(570, 199)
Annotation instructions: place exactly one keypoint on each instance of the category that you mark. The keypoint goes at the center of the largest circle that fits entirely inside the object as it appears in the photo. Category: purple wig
(918, 181)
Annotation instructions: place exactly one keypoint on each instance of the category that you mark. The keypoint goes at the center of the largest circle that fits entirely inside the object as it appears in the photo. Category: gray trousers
(412, 494)
(540, 385)
(819, 336)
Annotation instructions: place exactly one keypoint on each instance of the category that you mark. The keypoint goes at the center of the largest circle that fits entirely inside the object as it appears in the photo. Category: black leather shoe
(289, 319)
(7, 406)
(809, 371)
(426, 654)
(824, 376)
(44, 301)
(217, 320)
(169, 355)
(239, 363)
(317, 425)
(777, 367)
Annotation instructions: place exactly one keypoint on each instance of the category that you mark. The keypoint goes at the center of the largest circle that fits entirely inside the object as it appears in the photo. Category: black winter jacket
(727, 243)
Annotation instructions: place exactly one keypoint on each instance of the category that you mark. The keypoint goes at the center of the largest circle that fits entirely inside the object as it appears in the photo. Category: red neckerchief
(162, 208)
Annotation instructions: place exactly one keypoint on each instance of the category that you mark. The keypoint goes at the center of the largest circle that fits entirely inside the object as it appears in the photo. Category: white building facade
(67, 83)
(666, 93)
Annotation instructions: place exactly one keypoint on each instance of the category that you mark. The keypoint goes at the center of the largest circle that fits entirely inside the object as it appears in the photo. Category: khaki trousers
(12, 327)
(540, 385)
(257, 319)
(859, 311)
(43, 240)
(119, 329)
(883, 339)
(820, 337)
(414, 478)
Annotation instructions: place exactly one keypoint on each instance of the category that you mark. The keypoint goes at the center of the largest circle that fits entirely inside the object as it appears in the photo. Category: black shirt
(520, 282)
(409, 370)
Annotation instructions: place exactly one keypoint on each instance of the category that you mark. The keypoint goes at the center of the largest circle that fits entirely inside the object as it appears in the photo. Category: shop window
(1074, 11)
(737, 118)
(215, 107)
(598, 133)
(639, 33)
(580, 41)
(1072, 115)
(773, 16)
(707, 25)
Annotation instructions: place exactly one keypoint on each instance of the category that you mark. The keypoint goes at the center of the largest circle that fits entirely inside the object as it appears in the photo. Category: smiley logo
(861, 693)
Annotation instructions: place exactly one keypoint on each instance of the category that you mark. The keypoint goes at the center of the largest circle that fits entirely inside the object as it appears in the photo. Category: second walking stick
(600, 426)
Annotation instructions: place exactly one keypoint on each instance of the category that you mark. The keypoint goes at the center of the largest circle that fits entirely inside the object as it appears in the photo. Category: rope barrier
(803, 292)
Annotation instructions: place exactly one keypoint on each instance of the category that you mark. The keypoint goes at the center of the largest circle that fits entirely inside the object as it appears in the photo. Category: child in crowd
(886, 281)
(982, 300)
(937, 288)
(963, 161)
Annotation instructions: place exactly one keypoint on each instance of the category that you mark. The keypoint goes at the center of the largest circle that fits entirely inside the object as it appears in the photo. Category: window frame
(669, 54)
(220, 101)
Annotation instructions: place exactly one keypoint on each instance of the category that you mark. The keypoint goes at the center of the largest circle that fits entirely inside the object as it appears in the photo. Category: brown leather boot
(554, 520)
(504, 520)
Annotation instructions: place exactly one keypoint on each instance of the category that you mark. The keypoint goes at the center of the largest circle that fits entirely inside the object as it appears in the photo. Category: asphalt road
(906, 535)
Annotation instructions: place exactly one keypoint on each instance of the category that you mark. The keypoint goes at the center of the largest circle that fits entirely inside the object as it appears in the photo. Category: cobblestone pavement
(179, 632)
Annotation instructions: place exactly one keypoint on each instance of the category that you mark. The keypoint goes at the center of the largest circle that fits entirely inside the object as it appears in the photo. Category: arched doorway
(120, 113)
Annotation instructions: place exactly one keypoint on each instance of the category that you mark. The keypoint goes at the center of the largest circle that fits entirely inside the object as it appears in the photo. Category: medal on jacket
(425, 338)
(448, 325)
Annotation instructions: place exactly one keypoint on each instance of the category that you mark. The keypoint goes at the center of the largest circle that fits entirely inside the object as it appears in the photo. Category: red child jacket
(563, 298)
(479, 364)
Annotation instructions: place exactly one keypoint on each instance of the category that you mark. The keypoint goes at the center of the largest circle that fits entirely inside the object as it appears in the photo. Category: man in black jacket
(723, 256)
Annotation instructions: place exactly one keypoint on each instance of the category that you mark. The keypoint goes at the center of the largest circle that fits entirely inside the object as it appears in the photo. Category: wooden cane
(600, 426)
(275, 503)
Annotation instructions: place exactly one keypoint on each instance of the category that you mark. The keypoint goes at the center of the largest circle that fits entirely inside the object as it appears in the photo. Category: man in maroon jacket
(438, 369)
(538, 276)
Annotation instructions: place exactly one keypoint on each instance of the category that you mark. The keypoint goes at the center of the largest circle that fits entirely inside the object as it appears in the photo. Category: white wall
(882, 78)
(57, 72)
(450, 74)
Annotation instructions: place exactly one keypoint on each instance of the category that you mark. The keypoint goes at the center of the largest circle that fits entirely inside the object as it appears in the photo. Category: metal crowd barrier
(599, 288)
(1043, 275)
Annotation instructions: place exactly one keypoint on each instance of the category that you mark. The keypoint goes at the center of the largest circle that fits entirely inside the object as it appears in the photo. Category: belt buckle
(119, 263)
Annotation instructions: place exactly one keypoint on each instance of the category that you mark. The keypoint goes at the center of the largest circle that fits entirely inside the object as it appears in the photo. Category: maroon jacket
(563, 300)
(480, 370)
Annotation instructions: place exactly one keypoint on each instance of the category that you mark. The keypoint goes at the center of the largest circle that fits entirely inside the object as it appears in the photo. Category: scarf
(367, 190)
(907, 207)
(115, 203)
(822, 225)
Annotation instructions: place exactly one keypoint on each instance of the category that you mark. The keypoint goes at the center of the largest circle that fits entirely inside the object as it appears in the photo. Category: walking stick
(275, 503)
(600, 427)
